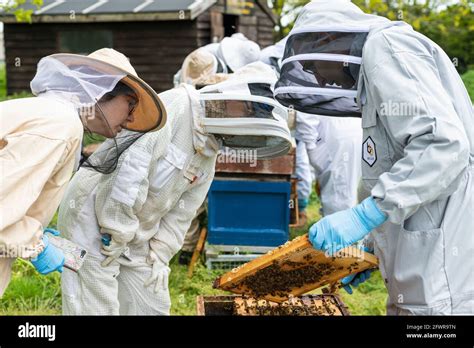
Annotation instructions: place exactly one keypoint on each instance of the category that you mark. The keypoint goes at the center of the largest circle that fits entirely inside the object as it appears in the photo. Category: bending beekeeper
(198, 67)
(40, 142)
(417, 155)
(143, 210)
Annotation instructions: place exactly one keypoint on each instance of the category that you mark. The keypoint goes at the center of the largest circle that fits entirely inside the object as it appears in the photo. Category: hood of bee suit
(273, 54)
(242, 114)
(323, 53)
(237, 51)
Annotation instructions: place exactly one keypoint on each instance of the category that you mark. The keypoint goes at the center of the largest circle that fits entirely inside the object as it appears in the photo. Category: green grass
(3, 87)
(32, 294)
(3, 81)
(184, 290)
(369, 298)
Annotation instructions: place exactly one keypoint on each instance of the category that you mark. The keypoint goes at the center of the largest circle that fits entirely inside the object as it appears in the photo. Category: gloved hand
(159, 276)
(52, 231)
(355, 279)
(112, 249)
(51, 258)
(339, 230)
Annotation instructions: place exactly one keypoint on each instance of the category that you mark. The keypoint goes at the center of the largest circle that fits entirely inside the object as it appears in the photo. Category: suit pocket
(133, 170)
(419, 276)
(168, 166)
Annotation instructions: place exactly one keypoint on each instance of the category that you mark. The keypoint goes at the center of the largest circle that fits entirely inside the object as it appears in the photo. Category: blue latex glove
(51, 258)
(339, 230)
(355, 279)
(106, 238)
(52, 231)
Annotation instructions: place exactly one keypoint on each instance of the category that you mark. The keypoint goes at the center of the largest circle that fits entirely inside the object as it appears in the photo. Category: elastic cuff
(373, 216)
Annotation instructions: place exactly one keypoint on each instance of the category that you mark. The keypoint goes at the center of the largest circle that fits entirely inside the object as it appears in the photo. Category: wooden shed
(155, 34)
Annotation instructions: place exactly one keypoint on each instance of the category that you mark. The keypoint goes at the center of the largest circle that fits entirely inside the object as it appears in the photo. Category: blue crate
(252, 213)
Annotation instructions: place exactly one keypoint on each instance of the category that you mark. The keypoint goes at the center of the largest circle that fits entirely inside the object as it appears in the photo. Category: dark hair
(119, 89)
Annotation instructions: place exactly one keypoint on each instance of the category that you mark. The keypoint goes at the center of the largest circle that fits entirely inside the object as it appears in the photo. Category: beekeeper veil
(322, 58)
(86, 81)
(242, 114)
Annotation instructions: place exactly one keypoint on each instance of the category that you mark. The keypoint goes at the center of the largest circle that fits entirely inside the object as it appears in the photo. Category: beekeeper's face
(329, 73)
(112, 115)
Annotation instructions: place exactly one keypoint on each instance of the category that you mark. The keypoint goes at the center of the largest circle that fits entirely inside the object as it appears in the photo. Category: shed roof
(113, 10)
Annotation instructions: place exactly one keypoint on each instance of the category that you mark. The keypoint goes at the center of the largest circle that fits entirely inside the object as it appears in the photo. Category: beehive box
(237, 305)
(293, 269)
(282, 165)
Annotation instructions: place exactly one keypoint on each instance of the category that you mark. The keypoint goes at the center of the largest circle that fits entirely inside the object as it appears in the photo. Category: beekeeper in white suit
(40, 142)
(333, 148)
(271, 55)
(147, 205)
(417, 157)
(203, 67)
(305, 175)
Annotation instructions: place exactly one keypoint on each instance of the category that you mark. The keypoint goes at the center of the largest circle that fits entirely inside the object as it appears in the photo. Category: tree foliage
(15, 7)
(450, 25)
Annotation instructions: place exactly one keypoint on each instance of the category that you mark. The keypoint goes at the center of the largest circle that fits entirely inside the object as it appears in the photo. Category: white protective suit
(417, 160)
(305, 175)
(147, 205)
(271, 55)
(40, 141)
(334, 149)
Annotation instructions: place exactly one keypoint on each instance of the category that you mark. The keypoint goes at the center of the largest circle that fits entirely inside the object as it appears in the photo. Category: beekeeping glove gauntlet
(159, 274)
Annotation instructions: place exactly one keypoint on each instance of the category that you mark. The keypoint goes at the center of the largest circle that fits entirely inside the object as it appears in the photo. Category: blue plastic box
(251, 213)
